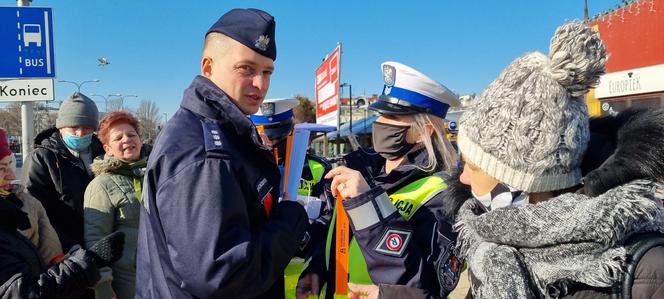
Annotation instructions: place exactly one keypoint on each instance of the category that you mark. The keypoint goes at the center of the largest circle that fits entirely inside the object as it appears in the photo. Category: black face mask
(390, 140)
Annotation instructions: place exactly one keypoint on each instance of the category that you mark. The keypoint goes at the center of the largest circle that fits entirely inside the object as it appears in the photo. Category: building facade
(634, 35)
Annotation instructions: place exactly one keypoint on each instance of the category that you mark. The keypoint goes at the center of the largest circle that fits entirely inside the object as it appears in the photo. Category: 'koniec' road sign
(26, 42)
(22, 90)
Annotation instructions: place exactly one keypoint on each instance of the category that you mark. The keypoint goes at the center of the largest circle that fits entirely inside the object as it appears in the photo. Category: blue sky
(154, 46)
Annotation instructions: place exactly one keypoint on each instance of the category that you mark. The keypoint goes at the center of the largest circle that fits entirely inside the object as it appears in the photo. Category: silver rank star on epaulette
(212, 134)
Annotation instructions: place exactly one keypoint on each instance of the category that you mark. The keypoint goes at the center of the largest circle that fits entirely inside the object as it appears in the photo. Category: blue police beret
(251, 27)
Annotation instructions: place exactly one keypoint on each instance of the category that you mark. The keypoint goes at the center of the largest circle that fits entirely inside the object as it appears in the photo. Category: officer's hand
(347, 182)
(362, 291)
(308, 285)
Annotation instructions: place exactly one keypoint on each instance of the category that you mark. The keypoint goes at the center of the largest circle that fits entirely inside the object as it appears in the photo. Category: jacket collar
(410, 169)
(205, 98)
(108, 164)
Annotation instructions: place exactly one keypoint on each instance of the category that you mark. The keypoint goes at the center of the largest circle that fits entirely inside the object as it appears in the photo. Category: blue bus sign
(26, 42)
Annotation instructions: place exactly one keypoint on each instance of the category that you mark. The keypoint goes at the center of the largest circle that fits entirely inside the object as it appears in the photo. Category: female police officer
(398, 226)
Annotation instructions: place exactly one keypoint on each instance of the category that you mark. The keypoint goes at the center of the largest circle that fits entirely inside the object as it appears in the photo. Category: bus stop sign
(26, 42)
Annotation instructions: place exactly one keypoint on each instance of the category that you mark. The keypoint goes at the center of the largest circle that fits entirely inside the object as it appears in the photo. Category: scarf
(134, 170)
(502, 196)
(540, 250)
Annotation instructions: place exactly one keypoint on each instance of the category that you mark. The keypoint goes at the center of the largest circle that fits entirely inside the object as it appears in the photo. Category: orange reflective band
(341, 250)
(289, 145)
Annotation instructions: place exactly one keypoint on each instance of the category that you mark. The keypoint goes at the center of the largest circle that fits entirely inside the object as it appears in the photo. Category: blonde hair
(436, 142)
(216, 44)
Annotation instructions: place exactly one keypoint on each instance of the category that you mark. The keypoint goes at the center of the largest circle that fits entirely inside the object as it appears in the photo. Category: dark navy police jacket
(205, 231)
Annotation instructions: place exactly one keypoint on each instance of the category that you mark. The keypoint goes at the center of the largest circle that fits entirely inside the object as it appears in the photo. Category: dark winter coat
(24, 275)
(58, 179)
(207, 228)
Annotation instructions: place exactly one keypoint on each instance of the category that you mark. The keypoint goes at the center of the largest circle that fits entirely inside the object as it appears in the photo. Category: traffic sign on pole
(26, 90)
(26, 42)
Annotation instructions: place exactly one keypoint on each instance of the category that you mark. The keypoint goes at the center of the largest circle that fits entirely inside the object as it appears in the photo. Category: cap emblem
(267, 109)
(389, 74)
(262, 42)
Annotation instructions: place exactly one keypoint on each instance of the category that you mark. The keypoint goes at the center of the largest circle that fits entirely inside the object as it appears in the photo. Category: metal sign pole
(27, 117)
(338, 153)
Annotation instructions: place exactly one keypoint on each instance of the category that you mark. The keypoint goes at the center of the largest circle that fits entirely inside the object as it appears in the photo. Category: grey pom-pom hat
(529, 127)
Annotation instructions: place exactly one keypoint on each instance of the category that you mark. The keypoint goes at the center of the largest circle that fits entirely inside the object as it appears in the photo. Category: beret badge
(262, 42)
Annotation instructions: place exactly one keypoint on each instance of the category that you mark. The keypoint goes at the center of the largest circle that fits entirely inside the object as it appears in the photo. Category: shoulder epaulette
(214, 138)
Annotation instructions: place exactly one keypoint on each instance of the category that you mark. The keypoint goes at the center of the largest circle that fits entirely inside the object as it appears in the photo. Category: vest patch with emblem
(393, 242)
(449, 271)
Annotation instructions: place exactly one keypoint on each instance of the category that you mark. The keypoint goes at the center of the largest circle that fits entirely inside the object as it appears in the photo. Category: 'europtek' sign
(26, 42)
(327, 90)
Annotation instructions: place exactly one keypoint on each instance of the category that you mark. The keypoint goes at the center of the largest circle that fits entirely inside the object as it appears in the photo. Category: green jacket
(112, 204)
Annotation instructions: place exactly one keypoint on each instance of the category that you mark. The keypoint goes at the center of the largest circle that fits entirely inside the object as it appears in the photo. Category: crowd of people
(539, 201)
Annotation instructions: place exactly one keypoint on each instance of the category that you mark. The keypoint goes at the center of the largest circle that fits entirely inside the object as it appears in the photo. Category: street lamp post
(78, 85)
(105, 100)
(350, 104)
(122, 97)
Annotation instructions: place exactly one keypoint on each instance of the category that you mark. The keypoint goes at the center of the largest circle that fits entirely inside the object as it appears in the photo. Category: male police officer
(275, 119)
(211, 226)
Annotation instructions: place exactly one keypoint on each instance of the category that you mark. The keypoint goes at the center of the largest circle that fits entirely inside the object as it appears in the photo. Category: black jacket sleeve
(67, 279)
(228, 254)
(39, 177)
(398, 251)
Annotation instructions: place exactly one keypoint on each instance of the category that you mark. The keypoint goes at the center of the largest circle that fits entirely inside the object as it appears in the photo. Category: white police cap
(274, 111)
(407, 91)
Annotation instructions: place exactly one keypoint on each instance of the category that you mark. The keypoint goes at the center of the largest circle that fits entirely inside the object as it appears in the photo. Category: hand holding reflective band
(347, 183)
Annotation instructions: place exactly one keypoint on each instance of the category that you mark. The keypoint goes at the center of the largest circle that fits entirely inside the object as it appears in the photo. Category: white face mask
(502, 196)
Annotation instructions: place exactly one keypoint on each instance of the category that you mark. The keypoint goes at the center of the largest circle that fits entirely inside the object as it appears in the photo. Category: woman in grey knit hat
(525, 234)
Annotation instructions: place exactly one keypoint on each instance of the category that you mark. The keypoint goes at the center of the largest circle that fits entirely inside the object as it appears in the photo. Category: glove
(108, 250)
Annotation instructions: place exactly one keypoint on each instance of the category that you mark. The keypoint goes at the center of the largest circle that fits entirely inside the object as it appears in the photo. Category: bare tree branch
(149, 120)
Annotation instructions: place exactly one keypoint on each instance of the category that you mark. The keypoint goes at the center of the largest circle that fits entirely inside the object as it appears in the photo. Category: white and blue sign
(452, 125)
(26, 42)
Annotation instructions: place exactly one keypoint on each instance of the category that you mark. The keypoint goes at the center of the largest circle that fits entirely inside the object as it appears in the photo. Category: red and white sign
(327, 89)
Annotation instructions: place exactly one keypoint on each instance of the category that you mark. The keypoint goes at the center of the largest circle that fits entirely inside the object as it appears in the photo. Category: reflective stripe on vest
(407, 200)
(411, 197)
